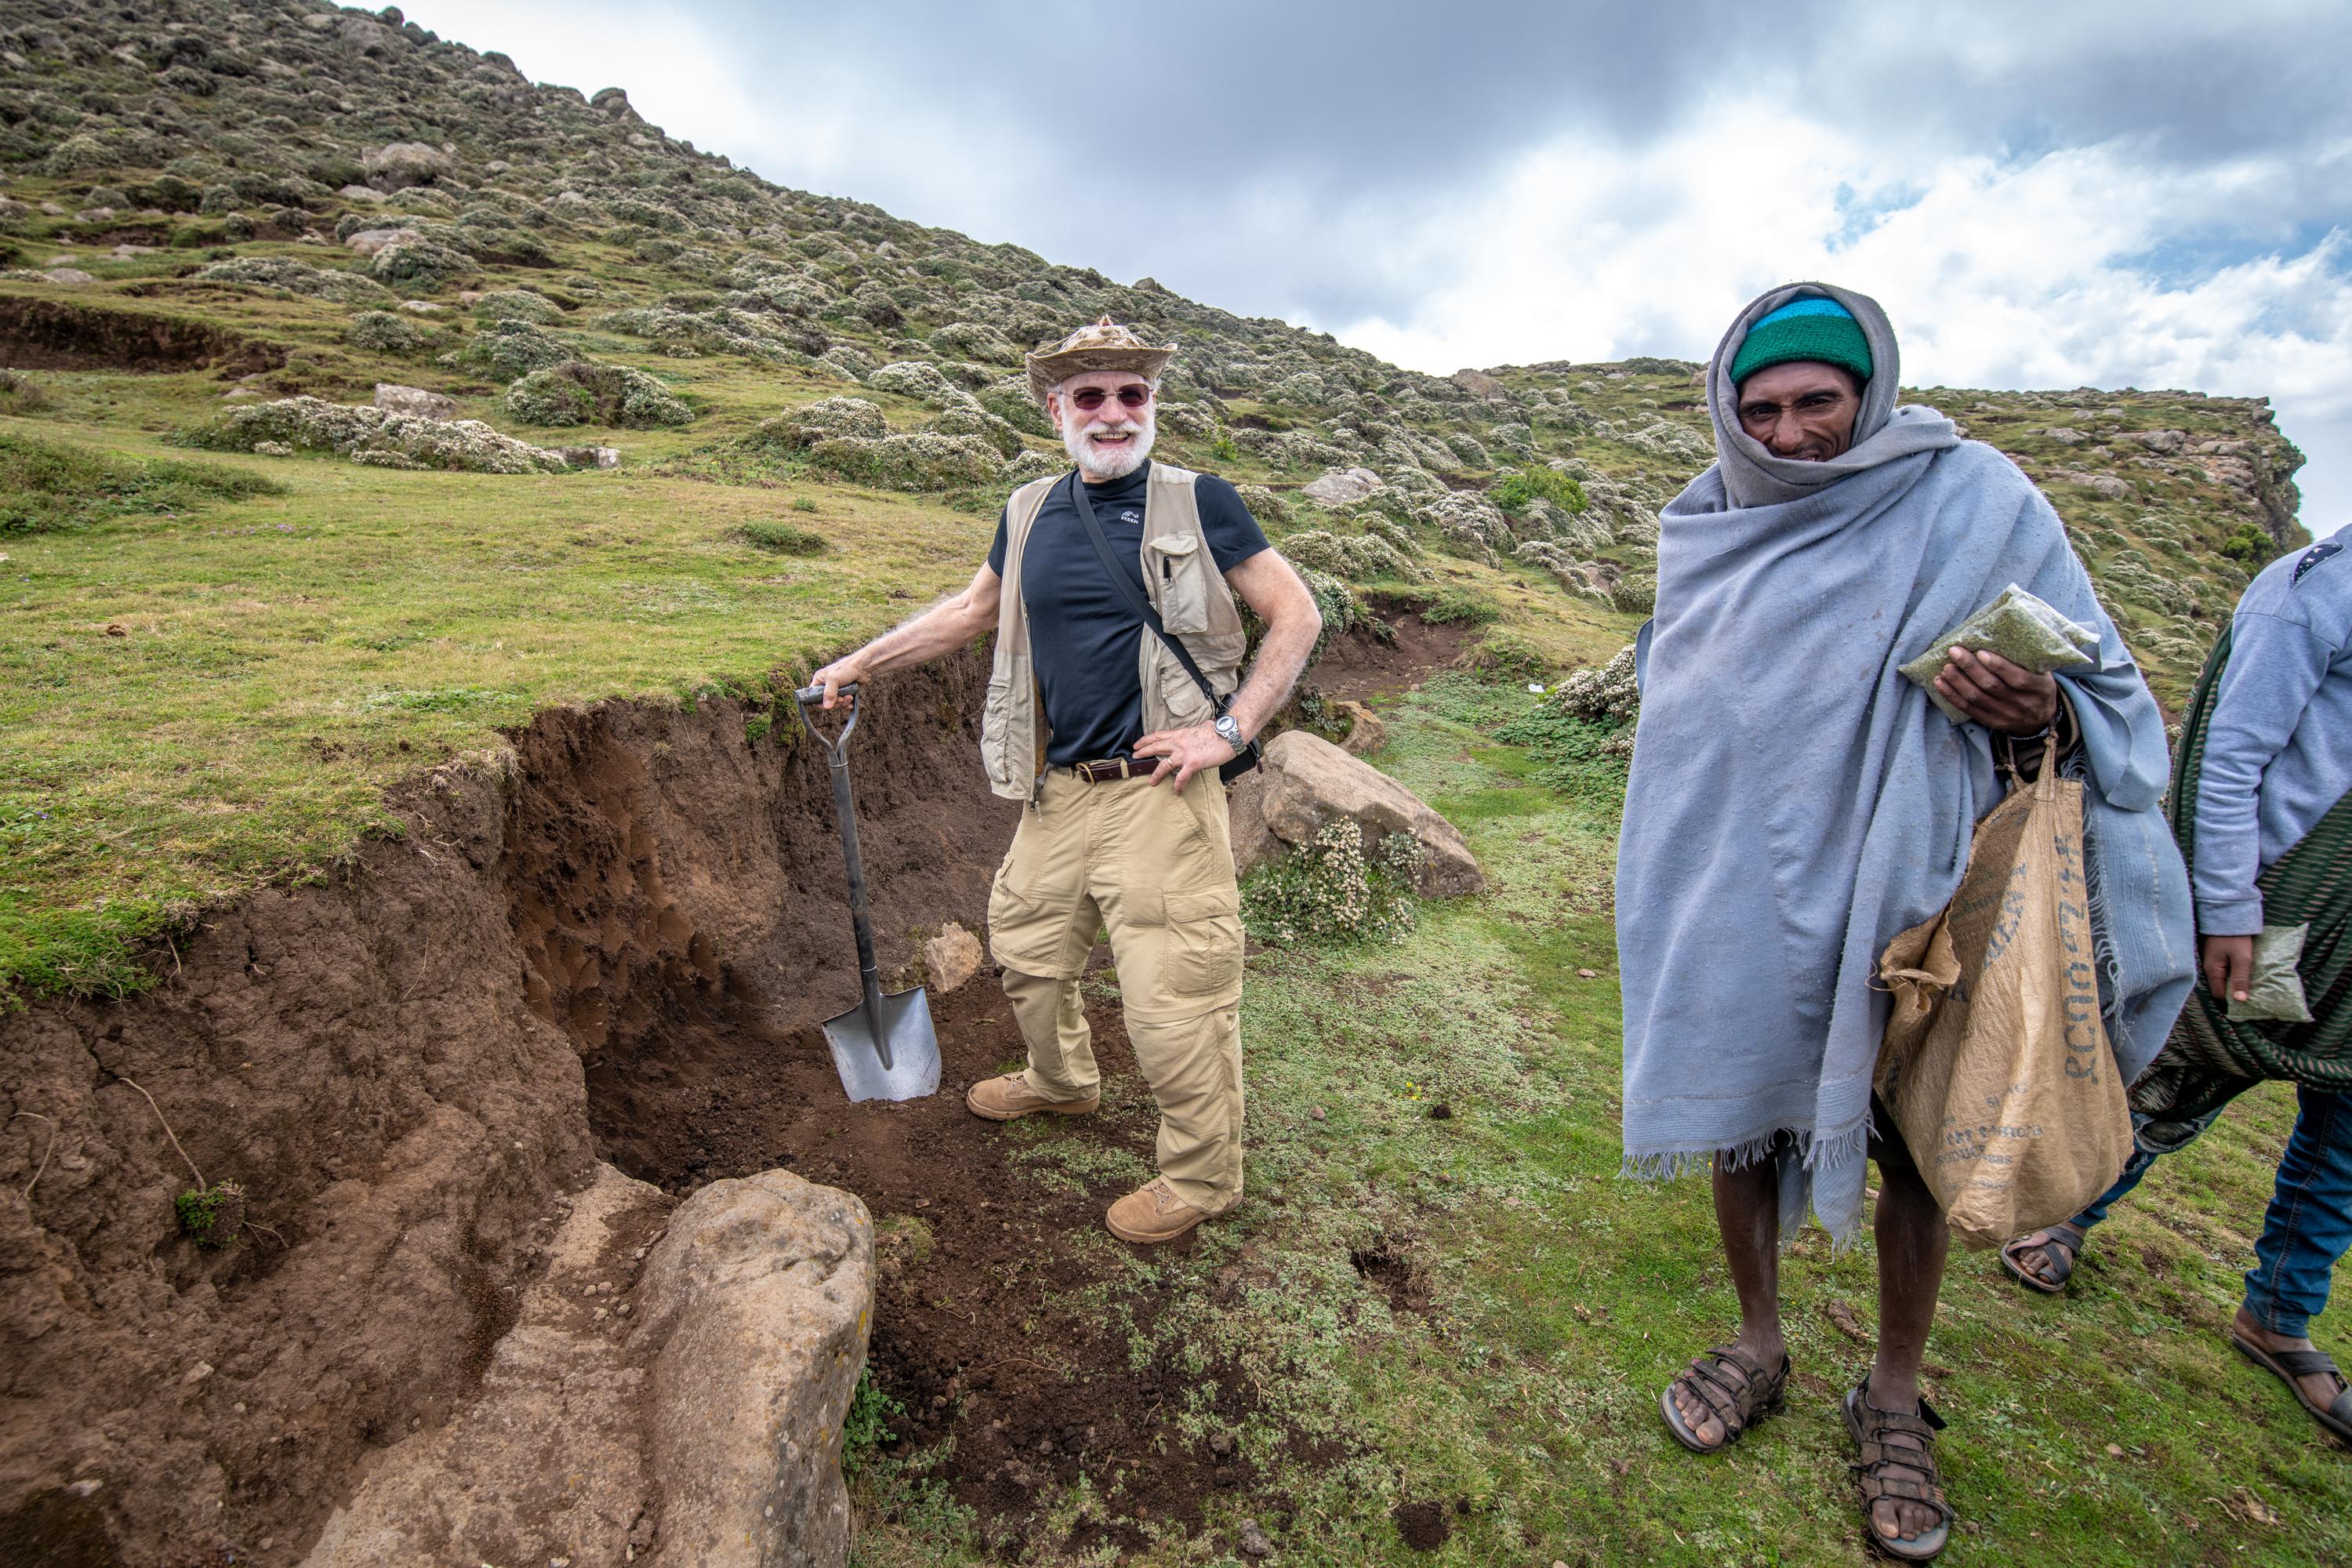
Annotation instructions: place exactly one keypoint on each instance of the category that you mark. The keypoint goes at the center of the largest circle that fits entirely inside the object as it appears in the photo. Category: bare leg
(1912, 1244)
(1748, 1213)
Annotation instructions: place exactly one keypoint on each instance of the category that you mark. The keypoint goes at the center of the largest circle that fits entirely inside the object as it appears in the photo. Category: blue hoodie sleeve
(2275, 665)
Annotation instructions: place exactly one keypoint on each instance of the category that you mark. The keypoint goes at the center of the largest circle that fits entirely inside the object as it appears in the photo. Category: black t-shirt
(1082, 636)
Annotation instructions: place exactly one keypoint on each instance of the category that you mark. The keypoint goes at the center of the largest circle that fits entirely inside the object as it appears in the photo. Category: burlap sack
(1996, 1063)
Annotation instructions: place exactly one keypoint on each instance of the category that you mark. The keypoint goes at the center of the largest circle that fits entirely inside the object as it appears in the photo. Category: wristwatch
(1229, 730)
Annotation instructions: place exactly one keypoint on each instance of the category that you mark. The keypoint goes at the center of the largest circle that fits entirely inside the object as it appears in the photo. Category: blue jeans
(2308, 1226)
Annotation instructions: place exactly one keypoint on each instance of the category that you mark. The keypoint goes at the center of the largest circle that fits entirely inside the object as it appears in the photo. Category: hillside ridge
(375, 272)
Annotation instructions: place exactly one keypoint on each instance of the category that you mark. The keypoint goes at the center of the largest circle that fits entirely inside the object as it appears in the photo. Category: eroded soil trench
(619, 951)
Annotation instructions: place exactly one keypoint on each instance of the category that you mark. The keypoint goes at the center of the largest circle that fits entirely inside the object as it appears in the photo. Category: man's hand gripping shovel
(885, 1048)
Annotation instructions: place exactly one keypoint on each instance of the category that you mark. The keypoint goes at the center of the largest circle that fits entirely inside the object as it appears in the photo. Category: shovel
(885, 1048)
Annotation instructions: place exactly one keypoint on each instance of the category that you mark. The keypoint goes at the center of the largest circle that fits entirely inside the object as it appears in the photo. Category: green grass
(1562, 1298)
(48, 486)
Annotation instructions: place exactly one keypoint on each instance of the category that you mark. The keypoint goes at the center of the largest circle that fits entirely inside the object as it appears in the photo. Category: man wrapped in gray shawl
(1795, 801)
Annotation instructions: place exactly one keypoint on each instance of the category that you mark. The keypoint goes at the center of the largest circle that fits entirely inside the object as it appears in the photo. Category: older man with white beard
(1089, 711)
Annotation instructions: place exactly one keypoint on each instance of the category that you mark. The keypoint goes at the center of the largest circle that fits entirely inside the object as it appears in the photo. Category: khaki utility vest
(1180, 577)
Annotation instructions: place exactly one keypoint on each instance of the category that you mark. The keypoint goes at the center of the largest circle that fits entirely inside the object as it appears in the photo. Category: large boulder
(693, 1414)
(401, 165)
(759, 1296)
(547, 1462)
(1307, 783)
(415, 400)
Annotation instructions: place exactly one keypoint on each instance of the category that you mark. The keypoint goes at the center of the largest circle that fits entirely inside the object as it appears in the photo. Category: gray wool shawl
(1795, 801)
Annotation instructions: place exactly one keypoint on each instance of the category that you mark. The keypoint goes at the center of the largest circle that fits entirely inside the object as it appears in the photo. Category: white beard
(1116, 463)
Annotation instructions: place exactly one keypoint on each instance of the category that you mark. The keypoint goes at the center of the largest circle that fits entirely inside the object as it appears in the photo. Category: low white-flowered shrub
(1329, 890)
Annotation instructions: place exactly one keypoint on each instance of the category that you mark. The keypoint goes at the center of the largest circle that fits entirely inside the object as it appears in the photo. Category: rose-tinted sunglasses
(1090, 398)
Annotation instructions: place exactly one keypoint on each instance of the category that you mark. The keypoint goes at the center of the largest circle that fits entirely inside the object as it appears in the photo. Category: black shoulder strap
(1135, 601)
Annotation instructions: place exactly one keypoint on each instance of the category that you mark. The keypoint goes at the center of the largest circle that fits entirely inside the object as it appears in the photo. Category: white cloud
(2029, 273)
(2110, 263)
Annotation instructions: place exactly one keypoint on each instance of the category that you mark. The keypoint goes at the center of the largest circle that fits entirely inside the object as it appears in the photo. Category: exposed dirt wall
(661, 868)
(359, 1058)
(392, 1067)
(53, 334)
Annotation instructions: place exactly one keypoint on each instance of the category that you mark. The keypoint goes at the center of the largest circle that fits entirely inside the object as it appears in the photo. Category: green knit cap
(1813, 328)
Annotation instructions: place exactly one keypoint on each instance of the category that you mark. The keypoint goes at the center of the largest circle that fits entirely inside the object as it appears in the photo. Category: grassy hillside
(212, 680)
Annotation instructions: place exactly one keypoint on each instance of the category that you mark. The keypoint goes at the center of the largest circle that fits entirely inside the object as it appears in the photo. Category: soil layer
(975, 1329)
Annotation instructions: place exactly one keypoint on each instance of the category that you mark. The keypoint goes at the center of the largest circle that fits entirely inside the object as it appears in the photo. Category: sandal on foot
(1890, 1442)
(2058, 1255)
(1735, 1388)
(2289, 1367)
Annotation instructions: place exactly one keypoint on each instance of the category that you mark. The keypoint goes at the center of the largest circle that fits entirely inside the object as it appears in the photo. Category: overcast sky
(2042, 196)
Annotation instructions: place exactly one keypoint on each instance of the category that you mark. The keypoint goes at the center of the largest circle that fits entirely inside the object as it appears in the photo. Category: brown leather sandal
(2060, 1246)
(1892, 1441)
(1736, 1390)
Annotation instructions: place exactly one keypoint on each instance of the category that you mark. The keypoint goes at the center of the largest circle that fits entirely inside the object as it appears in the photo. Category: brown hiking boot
(1152, 1214)
(1003, 1098)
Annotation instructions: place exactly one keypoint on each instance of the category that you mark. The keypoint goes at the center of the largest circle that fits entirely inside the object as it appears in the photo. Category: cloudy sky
(2042, 196)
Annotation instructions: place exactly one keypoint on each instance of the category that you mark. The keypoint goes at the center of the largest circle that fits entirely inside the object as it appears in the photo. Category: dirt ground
(393, 1065)
(972, 1329)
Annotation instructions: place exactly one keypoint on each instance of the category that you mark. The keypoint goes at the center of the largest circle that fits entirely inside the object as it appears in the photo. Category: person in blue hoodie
(2262, 807)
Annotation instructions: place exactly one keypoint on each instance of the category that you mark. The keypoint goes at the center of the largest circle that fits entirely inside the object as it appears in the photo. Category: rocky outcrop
(1342, 486)
(546, 1462)
(394, 398)
(677, 1402)
(1307, 783)
(760, 1297)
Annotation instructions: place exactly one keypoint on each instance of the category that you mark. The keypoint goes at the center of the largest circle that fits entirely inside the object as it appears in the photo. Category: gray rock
(414, 400)
(591, 457)
(1342, 486)
(722, 1394)
(68, 275)
(758, 1296)
(1310, 783)
(1254, 842)
(548, 1461)
(400, 165)
(368, 241)
(367, 194)
(1366, 733)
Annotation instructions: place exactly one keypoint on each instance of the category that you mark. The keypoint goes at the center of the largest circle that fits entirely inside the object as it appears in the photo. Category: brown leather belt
(1114, 769)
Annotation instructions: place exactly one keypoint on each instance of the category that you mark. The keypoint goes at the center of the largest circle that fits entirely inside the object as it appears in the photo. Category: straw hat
(1103, 346)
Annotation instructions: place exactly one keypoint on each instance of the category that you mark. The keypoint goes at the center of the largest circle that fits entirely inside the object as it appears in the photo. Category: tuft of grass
(212, 1217)
(784, 537)
(1459, 606)
(1523, 488)
(51, 486)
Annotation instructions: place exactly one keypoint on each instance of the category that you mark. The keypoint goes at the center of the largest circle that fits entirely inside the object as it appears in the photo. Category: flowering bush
(1331, 890)
(373, 436)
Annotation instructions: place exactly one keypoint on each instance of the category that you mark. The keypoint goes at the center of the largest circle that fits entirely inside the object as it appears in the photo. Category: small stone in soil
(1250, 1542)
(1588, 974)
(1316, 1113)
(1221, 1443)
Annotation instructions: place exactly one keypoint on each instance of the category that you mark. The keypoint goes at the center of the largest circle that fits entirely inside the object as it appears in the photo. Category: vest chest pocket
(1179, 569)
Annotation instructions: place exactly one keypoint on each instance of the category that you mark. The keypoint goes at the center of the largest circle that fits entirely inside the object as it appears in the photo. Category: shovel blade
(905, 1019)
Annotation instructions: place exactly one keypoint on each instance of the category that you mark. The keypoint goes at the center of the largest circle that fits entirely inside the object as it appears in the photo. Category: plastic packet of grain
(2276, 989)
(2019, 627)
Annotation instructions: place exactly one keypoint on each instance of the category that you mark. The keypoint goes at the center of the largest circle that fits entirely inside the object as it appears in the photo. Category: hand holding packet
(2019, 627)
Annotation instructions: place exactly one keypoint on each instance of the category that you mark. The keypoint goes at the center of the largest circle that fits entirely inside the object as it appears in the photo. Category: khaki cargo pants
(1156, 869)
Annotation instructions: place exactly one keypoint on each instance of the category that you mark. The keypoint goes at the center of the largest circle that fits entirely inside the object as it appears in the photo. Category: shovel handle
(805, 701)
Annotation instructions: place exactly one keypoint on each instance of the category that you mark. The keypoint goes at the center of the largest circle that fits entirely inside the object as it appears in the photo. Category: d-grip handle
(805, 701)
